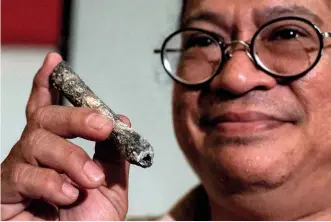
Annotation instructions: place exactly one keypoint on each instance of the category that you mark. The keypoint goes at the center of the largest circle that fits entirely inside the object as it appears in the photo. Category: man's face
(246, 131)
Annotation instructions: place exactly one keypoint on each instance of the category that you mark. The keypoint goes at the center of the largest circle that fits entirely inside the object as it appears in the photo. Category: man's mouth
(238, 123)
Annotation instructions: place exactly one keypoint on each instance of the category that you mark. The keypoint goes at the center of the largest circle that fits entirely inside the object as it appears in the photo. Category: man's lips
(243, 122)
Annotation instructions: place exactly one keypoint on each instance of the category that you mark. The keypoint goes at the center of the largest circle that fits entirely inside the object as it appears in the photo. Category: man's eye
(286, 34)
(198, 41)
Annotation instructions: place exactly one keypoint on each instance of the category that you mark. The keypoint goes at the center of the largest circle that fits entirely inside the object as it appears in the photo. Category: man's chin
(260, 159)
(244, 174)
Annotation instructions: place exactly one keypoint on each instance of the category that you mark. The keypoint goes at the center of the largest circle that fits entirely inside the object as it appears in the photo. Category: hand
(46, 177)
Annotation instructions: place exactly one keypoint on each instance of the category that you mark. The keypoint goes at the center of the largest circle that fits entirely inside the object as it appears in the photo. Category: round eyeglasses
(284, 47)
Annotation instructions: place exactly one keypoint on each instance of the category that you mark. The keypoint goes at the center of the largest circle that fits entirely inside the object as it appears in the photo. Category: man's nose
(239, 75)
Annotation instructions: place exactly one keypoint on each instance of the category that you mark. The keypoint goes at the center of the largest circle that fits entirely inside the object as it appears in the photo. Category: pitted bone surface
(134, 147)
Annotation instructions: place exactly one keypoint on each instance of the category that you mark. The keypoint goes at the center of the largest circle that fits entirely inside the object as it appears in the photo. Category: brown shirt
(193, 206)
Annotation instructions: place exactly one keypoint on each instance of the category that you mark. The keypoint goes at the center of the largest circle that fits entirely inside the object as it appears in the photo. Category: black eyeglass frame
(223, 48)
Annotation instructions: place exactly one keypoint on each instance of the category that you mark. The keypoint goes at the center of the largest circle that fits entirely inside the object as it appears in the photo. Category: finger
(41, 94)
(71, 122)
(125, 120)
(8, 211)
(116, 170)
(41, 183)
(48, 150)
(38, 210)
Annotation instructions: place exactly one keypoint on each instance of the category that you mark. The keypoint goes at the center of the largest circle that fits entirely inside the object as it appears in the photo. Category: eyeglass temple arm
(327, 34)
(158, 51)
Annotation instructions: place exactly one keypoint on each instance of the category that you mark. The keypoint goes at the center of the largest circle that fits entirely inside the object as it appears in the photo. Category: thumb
(116, 170)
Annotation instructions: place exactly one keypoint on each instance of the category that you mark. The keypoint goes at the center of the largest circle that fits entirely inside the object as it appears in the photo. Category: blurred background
(110, 43)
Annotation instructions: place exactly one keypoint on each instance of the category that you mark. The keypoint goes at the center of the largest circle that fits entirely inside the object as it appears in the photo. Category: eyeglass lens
(283, 48)
(192, 56)
(287, 48)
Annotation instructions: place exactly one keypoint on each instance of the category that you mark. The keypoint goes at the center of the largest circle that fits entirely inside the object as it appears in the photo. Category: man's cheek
(314, 89)
(314, 92)
(179, 107)
(184, 102)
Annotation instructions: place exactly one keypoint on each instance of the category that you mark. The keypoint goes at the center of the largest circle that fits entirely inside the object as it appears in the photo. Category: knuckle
(76, 118)
(51, 180)
(18, 175)
(39, 115)
(72, 116)
(31, 143)
(82, 116)
(35, 137)
(11, 164)
(13, 174)
(73, 154)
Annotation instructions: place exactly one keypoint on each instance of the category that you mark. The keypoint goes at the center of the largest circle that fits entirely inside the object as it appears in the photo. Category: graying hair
(182, 12)
(184, 5)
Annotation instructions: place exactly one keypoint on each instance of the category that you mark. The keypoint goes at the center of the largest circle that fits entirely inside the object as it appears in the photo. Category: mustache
(214, 104)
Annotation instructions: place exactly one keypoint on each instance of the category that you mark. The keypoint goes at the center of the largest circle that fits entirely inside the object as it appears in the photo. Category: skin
(46, 177)
(268, 170)
(249, 171)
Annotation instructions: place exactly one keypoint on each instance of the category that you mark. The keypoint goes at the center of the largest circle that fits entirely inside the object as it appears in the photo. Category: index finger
(41, 93)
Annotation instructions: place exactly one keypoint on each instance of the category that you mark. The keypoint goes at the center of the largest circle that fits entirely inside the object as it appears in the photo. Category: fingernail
(125, 120)
(93, 172)
(69, 191)
(97, 121)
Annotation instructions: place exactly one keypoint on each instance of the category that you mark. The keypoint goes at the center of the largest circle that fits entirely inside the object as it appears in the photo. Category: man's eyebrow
(270, 13)
(207, 16)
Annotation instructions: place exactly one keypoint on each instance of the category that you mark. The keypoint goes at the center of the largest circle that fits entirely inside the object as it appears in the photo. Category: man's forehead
(315, 10)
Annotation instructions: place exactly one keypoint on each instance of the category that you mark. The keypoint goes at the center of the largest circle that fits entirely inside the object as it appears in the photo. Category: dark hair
(182, 12)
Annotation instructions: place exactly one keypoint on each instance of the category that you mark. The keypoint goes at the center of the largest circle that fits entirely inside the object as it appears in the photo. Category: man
(251, 108)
